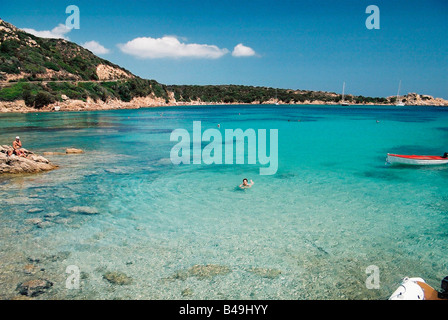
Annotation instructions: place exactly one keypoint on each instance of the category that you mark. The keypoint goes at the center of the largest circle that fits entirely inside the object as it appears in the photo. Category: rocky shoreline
(18, 106)
(30, 163)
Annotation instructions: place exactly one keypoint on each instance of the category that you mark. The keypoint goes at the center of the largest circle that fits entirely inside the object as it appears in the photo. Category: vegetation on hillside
(39, 94)
(249, 94)
(24, 53)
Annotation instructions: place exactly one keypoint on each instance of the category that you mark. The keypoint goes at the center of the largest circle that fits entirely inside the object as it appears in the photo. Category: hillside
(25, 56)
(39, 73)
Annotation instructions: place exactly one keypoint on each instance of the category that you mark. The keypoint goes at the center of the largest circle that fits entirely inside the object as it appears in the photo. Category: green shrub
(28, 98)
(124, 92)
(158, 90)
(52, 66)
(11, 93)
(42, 99)
(10, 68)
(9, 47)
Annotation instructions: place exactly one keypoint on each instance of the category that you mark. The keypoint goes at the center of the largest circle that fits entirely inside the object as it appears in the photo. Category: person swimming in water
(245, 184)
(445, 155)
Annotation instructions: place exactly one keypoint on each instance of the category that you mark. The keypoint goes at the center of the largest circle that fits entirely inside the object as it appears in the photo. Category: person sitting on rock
(17, 148)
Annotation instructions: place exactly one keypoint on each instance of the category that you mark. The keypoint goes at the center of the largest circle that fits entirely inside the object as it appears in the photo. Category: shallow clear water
(309, 232)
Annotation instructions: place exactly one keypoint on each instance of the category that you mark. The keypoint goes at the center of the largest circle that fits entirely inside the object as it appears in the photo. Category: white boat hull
(409, 290)
(415, 161)
(417, 289)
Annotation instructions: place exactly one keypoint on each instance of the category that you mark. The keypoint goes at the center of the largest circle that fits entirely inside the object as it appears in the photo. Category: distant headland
(40, 74)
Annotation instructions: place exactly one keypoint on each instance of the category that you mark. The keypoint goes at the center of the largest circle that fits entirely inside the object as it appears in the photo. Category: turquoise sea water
(308, 232)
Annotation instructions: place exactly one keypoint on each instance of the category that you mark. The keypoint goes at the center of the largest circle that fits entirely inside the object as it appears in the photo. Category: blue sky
(311, 45)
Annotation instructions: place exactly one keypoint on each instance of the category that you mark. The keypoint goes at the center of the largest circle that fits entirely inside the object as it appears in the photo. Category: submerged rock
(33, 221)
(30, 269)
(51, 215)
(73, 151)
(62, 221)
(67, 151)
(34, 288)
(31, 163)
(44, 224)
(84, 210)
(33, 259)
(39, 222)
(266, 273)
(35, 210)
(208, 271)
(51, 153)
(60, 256)
(187, 292)
(116, 277)
(201, 272)
(22, 298)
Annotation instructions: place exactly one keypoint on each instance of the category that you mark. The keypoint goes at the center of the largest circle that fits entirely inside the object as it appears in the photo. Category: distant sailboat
(399, 102)
(343, 103)
(276, 98)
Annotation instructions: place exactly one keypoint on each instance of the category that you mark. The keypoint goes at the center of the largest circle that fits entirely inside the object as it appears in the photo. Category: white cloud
(56, 33)
(95, 47)
(170, 47)
(242, 51)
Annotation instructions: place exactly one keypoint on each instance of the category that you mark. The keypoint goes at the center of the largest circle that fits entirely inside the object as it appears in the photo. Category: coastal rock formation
(31, 163)
(415, 99)
(105, 72)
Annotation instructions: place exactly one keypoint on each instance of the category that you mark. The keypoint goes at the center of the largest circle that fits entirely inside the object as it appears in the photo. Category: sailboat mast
(343, 91)
(399, 87)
